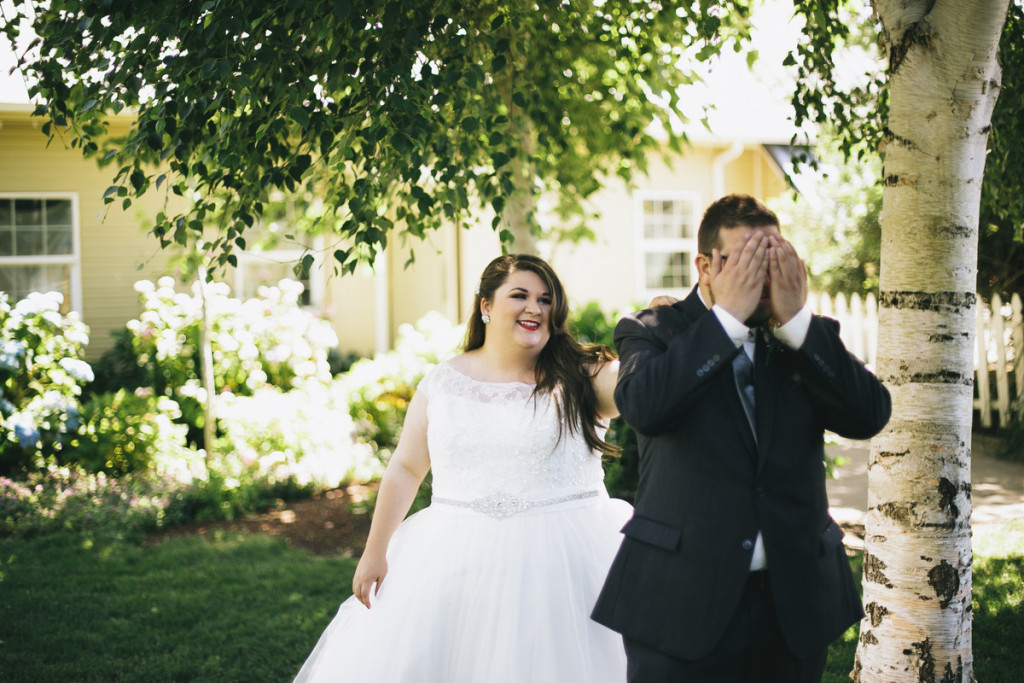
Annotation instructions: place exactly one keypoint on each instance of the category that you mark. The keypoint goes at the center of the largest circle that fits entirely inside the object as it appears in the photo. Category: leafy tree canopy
(1001, 243)
(837, 221)
(852, 105)
(856, 109)
(401, 114)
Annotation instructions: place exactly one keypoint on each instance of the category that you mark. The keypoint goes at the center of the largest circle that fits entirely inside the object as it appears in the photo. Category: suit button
(748, 544)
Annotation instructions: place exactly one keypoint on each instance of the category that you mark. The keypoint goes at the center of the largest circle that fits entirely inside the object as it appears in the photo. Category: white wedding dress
(494, 582)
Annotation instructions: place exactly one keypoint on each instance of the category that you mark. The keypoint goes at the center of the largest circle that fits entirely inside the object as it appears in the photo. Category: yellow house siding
(367, 309)
(755, 174)
(113, 242)
(423, 286)
(608, 270)
(349, 305)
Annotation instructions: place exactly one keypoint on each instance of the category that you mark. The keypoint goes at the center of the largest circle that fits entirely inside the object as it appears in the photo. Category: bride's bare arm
(402, 478)
(604, 386)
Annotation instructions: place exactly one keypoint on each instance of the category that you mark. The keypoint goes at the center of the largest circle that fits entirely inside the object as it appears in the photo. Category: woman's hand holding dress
(405, 472)
(372, 569)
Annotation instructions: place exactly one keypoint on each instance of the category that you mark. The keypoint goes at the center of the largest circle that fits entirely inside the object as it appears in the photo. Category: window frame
(73, 260)
(247, 257)
(645, 245)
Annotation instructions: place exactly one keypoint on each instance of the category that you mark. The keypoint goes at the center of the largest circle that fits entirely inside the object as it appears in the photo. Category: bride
(494, 581)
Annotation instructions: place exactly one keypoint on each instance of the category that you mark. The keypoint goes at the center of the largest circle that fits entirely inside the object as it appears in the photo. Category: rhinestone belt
(500, 505)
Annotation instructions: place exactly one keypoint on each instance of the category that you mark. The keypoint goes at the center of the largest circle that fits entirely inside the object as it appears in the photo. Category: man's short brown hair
(731, 211)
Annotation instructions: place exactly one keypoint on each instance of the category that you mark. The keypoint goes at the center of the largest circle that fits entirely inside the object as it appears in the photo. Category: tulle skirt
(470, 598)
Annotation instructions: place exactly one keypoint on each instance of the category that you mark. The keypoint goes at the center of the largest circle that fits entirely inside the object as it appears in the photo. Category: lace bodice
(493, 439)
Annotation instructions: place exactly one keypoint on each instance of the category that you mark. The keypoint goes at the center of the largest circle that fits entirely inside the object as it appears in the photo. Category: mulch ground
(326, 524)
(333, 524)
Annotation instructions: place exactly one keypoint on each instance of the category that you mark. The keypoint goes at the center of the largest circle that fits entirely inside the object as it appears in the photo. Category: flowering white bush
(41, 379)
(378, 389)
(266, 341)
(304, 434)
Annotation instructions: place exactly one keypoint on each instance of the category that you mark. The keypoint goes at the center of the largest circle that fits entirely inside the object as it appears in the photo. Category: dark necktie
(743, 369)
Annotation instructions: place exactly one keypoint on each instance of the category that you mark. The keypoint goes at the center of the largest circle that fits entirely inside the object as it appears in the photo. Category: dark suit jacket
(707, 487)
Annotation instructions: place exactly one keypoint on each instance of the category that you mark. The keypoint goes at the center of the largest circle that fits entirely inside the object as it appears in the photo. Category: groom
(731, 568)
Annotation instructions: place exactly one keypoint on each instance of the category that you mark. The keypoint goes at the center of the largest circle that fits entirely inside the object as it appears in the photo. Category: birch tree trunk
(943, 82)
(516, 216)
(522, 203)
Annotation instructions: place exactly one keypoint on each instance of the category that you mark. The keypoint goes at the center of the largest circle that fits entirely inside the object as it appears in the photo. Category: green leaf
(138, 179)
(300, 116)
(326, 140)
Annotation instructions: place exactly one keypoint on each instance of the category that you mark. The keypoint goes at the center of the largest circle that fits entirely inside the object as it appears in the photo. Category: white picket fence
(1000, 332)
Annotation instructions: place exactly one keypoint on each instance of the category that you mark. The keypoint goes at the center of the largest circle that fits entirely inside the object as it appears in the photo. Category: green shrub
(591, 325)
(225, 496)
(41, 378)
(70, 500)
(117, 368)
(124, 432)
(621, 473)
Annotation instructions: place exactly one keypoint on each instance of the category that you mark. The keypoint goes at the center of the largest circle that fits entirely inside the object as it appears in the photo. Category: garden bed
(331, 523)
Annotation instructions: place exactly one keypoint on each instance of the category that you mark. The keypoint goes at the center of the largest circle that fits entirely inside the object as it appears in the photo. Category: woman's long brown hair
(564, 363)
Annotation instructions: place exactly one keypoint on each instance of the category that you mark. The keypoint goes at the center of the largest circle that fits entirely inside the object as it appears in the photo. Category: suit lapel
(692, 308)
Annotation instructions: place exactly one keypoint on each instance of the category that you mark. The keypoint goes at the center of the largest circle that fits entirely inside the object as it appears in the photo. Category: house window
(667, 242)
(273, 250)
(260, 268)
(39, 249)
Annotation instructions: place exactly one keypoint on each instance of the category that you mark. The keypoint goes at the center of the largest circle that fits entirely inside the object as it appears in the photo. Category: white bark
(944, 80)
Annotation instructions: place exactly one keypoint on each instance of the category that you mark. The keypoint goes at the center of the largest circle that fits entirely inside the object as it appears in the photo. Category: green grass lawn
(227, 608)
(248, 608)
